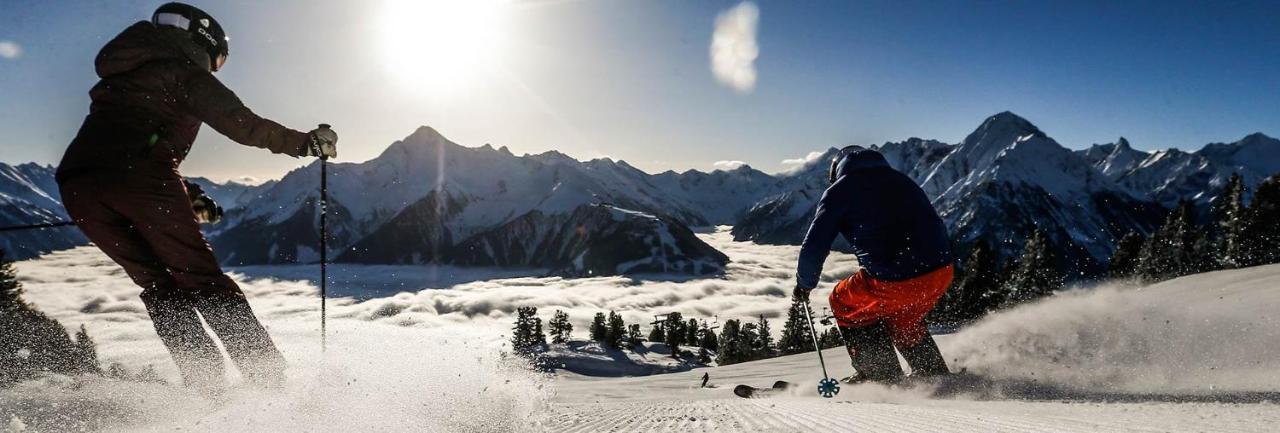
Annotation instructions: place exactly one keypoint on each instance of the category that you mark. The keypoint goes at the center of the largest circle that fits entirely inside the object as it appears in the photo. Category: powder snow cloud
(811, 157)
(734, 49)
(10, 50)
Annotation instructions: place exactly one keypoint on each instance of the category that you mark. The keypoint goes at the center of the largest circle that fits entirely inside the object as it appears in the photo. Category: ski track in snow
(1200, 353)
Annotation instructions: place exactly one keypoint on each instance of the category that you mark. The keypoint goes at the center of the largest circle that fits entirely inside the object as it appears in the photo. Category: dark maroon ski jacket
(149, 104)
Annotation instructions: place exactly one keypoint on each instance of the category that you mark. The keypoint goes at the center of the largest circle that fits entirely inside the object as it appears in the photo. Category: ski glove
(800, 294)
(207, 211)
(321, 142)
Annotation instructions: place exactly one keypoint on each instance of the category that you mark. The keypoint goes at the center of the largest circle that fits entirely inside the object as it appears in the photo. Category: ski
(748, 391)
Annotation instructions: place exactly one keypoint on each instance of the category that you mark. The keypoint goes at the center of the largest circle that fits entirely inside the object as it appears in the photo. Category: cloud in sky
(811, 157)
(728, 165)
(734, 49)
(10, 50)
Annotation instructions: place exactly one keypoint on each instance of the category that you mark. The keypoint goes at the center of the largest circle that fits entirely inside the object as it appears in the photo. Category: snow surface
(1193, 354)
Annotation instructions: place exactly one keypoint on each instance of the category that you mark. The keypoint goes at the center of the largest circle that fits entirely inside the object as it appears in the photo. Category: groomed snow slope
(1201, 353)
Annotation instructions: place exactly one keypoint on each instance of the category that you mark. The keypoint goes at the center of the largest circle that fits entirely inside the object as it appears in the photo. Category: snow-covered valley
(421, 350)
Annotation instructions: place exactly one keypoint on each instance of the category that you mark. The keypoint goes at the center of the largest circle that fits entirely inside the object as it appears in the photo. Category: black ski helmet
(204, 30)
(840, 156)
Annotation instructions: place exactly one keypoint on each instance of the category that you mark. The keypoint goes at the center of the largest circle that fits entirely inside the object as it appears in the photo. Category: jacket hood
(144, 43)
(859, 159)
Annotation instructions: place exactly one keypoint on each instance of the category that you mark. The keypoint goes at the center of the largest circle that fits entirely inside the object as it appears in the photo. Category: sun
(441, 46)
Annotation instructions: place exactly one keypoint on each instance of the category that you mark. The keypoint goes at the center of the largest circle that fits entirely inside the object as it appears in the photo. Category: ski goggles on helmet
(219, 61)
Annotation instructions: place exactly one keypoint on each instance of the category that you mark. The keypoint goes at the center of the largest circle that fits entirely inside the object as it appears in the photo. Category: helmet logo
(204, 22)
(207, 37)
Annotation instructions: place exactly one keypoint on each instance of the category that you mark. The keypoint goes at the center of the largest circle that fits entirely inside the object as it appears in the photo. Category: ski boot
(871, 351)
(925, 359)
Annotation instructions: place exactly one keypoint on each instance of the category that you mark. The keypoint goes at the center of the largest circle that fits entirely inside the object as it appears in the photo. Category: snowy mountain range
(426, 199)
(429, 200)
(1008, 177)
(29, 195)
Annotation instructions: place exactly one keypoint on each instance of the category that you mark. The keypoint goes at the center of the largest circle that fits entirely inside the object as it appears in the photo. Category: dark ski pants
(146, 225)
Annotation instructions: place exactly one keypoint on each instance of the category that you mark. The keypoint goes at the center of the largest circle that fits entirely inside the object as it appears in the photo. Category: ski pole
(37, 226)
(324, 252)
(826, 387)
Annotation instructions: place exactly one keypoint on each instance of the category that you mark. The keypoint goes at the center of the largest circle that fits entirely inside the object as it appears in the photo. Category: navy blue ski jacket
(894, 230)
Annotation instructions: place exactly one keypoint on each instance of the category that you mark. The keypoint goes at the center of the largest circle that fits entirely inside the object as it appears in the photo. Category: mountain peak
(425, 134)
(1123, 144)
(1257, 137)
(1008, 121)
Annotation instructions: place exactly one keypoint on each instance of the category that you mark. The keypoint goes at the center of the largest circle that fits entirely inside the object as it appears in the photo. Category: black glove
(800, 294)
(321, 142)
(206, 210)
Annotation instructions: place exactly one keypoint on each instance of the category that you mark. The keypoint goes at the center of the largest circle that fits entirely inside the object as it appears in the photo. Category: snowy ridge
(1004, 179)
(29, 195)
(425, 197)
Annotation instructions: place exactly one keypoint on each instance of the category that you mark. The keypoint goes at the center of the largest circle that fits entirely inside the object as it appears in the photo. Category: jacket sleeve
(822, 232)
(220, 108)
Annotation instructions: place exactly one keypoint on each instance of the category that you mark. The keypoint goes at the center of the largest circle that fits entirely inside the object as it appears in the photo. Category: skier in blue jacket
(902, 246)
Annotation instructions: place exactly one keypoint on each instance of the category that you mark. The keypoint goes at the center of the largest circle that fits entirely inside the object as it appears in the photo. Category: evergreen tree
(675, 332)
(1170, 252)
(117, 371)
(560, 327)
(795, 331)
(1037, 273)
(30, 341)
(86, 353)
(730, 349)
(538, 338)
(764, 346)
(599, 328)
(616, 331)
(830, 338)
(1232, 218)
(709, 340)
(527, 332)
(1124, 262)
(657, 334)
(691, 332)
(1261, 245)
(971, 295)
(633, 333)
(10, 288)
(749, 341)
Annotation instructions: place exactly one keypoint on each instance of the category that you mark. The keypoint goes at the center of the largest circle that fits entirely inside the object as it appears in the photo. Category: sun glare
(441, 46)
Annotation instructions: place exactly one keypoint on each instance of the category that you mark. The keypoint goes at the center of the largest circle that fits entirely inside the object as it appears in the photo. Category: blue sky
(631, 79)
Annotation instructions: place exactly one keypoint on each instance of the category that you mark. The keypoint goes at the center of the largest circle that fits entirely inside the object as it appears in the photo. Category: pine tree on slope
(560, 327)
(764, 347)
(691, 332)
(795, 332)
(1232, 219)
(1169, 252)
(675, 333)
(730, 352)
(1124, 262)
(599, 328)
(1036, 274)
(616, 330)
(1262, 232)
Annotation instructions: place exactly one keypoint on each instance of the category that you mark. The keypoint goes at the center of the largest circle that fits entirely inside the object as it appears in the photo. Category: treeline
(738, 340)
(611, 331)
(1234, 234)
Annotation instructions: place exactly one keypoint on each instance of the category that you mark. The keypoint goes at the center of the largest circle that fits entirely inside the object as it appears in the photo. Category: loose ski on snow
(748, 391)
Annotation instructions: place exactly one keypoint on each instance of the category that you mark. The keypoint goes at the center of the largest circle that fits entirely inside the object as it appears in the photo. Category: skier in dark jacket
(905, 255)
(120, 183)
